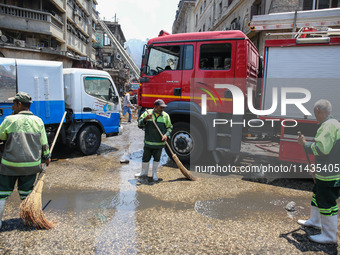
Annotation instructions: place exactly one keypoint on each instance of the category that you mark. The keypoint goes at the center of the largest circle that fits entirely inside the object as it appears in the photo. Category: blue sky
(140, 19)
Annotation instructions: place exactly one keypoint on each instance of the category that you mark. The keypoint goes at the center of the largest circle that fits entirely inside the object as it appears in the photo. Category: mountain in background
(134, 48)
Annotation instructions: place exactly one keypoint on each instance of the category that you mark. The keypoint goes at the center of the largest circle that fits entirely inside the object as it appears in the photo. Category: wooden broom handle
(172, 153)
(58, 131)
(42, 173)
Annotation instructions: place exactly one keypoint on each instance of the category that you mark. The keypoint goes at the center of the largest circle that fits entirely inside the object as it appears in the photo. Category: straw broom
(31, 208)
(184, 171)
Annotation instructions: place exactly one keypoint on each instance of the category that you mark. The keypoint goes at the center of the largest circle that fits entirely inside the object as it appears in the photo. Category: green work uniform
(326, 150)
(26, 145)
(153, 143)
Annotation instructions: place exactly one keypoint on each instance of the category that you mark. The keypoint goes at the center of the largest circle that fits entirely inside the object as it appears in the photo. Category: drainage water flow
(121, 231)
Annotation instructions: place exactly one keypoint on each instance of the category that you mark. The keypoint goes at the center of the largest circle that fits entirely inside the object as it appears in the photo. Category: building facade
(62, 30)
(256, 18)
(108, 57)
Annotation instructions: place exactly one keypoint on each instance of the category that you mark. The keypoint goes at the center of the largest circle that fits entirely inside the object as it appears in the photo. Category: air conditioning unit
(19, 43)
(76, 12)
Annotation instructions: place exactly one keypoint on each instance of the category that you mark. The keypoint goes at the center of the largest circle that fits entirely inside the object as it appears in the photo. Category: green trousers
(25, 185)
(148, 152)
(325, 199)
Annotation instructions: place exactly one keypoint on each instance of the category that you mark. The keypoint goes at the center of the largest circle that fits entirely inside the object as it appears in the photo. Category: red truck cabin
(177, 67)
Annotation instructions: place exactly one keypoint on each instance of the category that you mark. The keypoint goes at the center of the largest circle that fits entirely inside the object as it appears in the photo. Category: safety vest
(326, 150)
(152, 137)
(26, 143)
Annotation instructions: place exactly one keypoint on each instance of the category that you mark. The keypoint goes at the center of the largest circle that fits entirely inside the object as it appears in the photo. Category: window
(319, 4)
(163, 58)
(188, 57)
(100, 88)
(8, 80)
(107, 41)
(215, 56)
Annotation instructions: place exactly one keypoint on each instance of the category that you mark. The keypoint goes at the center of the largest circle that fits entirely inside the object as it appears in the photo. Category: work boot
(2, 208)
(314, 220)
(154, 171)
(145, 170)
(328, 232)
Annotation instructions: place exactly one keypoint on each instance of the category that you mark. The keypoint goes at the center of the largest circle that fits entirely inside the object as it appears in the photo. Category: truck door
(100, 102)
(163, 74)
(215, 64)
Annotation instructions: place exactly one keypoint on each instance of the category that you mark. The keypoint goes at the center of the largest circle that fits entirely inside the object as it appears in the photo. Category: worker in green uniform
(153, 141)
(26, 146)
(326, 149)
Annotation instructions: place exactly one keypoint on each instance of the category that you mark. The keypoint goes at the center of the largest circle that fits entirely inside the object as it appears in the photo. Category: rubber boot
(145, 170)
(314, 221)
(328, 232)
(154, 171)
(2, 208)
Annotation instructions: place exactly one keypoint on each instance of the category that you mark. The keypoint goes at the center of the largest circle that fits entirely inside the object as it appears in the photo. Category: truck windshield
(100, 88)
(163, 58)
(8, 80)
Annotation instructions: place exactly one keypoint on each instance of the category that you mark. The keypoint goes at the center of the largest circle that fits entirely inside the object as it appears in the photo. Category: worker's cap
(22, 97)
(160, 102)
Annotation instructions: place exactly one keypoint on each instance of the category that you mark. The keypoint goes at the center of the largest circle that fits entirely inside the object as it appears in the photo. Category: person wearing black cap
(153, 142)
(26, 146)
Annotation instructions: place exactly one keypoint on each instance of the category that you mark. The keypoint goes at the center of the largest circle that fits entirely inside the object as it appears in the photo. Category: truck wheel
(186, 142)
(89, 140)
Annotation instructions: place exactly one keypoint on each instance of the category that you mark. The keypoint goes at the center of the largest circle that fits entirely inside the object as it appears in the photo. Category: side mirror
(110, 93)
(115, 99)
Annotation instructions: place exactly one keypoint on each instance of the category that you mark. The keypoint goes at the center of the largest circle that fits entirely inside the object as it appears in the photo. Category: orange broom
(184, 171)
(31, 209)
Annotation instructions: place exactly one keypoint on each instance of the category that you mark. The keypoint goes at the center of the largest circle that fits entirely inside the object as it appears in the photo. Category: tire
(89, 140)
(186, 141)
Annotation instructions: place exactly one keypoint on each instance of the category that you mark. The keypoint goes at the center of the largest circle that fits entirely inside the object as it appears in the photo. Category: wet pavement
(100, 208)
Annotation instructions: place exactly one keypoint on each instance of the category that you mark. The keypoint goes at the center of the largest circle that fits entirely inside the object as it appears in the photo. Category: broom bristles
(31, 208)
(184, 171)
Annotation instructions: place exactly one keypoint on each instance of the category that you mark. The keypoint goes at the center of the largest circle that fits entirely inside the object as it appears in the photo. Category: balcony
(77, 20)
(75, 44)
(84, 4)
(31, 21)
(59, 4)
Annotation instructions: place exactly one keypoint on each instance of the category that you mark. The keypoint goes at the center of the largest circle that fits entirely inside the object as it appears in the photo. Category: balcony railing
(23, 13)
(29, 20)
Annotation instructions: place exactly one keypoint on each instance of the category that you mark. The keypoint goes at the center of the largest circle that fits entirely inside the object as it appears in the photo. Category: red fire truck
(311, 63)
(183, 70)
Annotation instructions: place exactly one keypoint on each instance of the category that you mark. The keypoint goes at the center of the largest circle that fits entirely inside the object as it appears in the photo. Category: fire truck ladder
(134, 68)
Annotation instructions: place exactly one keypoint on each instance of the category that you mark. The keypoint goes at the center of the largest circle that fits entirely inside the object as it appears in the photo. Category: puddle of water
(247, 204)
(82, 200)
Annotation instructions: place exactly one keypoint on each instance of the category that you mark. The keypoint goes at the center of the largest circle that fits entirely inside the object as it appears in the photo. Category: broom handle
(172, 153)
(58, 131)
(307, 157)
(52, 146)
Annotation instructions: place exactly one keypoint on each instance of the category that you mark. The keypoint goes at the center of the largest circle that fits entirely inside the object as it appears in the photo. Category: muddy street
(100, 208)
